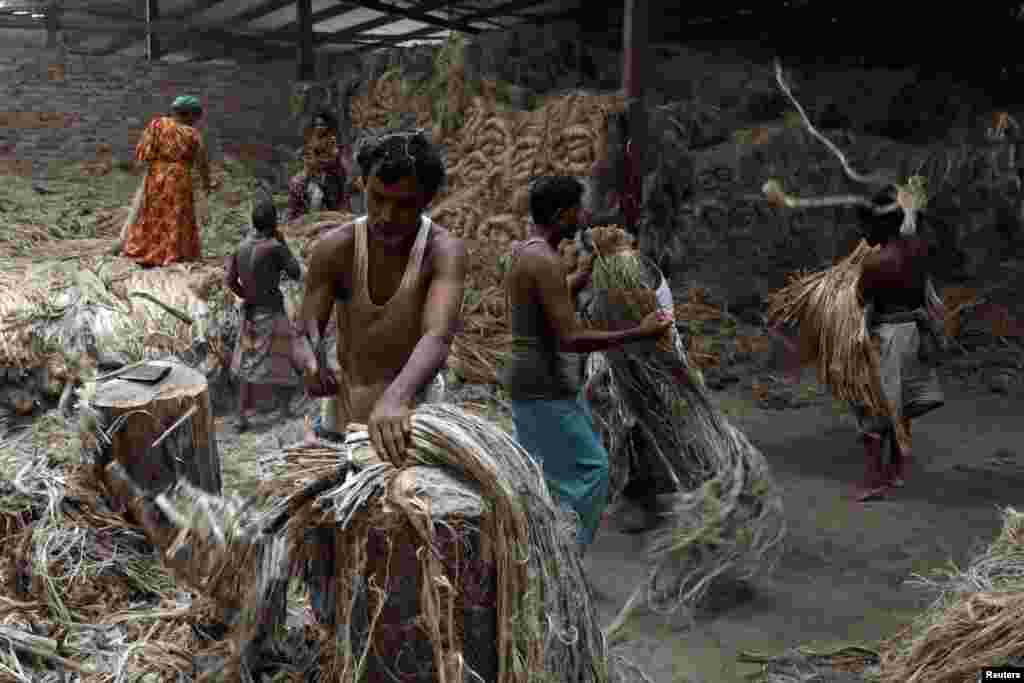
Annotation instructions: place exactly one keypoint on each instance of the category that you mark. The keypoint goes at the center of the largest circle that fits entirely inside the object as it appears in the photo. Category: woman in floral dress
(166, 230)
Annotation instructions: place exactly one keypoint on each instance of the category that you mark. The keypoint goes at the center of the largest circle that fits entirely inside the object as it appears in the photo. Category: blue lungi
(560, 436)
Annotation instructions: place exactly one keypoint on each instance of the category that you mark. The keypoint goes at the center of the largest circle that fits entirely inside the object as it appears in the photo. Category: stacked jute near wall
(491, 158)
(726, 519)
(546, 628)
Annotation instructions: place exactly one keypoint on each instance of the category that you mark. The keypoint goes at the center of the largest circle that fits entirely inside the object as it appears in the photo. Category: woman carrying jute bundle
(165, 230)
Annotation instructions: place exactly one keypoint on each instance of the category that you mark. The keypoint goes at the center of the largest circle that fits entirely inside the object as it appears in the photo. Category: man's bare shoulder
(539, 256)
(335, 238)
(445, 249)
(334, 249)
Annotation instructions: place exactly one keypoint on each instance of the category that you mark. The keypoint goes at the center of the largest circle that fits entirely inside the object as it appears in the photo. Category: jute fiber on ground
(848, 663)
(726, 519)
(82, 593)
(546, 626)
(834, 334)
(975, 621)
(63, 315)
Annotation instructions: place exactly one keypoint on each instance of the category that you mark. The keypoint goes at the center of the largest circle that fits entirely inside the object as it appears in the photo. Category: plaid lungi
(909, 380)
(264, 353)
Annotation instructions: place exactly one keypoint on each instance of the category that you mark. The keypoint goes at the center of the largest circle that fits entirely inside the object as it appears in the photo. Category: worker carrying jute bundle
(552, 419)
(874, 322)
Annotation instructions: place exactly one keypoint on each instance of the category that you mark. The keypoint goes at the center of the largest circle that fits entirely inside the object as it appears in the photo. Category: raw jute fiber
(547, 628)
(834, 334)
(726, 519)
(975, 621)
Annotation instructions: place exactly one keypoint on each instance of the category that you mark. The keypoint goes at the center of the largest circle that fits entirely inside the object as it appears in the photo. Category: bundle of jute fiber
(974, 622)
(834, 333)
(458, 559)
(614, 422)
(726, 519)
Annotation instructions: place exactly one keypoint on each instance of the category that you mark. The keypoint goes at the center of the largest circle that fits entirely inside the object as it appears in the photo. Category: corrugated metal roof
(119, 26)
(211, 27)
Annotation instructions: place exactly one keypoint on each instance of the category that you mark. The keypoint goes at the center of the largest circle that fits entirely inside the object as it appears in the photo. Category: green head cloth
(186, 103)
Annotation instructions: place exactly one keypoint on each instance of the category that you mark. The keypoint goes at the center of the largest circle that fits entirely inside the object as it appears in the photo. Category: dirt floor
(841, 579)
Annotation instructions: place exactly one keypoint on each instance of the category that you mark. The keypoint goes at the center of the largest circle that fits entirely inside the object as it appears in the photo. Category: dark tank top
(535, 369)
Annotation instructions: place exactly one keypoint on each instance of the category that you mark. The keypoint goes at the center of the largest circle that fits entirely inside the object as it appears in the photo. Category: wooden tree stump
(166, 429)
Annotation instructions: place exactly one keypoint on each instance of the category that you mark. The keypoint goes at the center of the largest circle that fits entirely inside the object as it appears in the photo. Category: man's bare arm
(441, 316)
(548, 276)
(321, 291)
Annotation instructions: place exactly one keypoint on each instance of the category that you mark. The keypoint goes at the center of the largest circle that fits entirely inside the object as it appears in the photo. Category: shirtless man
(552, 421)
(906, 314)
(395, 280)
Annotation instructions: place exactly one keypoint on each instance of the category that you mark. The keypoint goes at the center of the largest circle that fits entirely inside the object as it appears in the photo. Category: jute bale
(422, 561)
(390, 625)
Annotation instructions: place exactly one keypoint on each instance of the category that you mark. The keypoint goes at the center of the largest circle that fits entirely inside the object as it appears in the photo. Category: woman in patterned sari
(166, 230)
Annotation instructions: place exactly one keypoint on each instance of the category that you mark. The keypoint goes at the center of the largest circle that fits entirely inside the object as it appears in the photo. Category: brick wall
(66, 109)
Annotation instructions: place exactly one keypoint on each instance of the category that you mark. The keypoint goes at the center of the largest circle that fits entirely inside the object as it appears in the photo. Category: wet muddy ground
(842, 577)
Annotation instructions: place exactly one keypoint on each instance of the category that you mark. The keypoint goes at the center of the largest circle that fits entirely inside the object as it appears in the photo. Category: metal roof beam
(346, 34)
(341, 8)
(252, 14)
(417, 14)
(501, 10)
(292, 27)
(127, 41)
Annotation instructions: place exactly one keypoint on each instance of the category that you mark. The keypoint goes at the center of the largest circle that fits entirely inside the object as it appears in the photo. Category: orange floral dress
(166, 230)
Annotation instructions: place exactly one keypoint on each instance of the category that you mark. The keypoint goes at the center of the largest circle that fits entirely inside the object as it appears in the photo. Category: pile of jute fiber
(498, 585)
(974, 621)
(726, 519)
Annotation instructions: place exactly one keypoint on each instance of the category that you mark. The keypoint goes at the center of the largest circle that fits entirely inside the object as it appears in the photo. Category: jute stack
(726, 518)
(458, 560)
